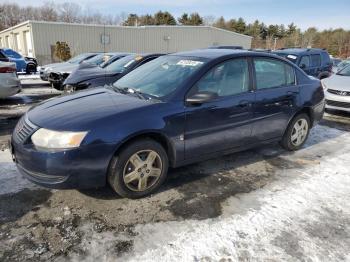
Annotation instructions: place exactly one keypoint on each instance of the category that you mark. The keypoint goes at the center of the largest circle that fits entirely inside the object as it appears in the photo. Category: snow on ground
(11, 180)
(304, 214)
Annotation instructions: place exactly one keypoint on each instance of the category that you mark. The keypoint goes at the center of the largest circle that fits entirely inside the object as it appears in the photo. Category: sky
(322, 14)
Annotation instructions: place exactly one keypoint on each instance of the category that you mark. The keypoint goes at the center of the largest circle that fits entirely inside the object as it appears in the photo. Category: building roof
(118, 26)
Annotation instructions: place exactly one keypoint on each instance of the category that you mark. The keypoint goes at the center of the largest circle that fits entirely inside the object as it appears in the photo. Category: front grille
(338, 104)
(338, 92)
(23, 130)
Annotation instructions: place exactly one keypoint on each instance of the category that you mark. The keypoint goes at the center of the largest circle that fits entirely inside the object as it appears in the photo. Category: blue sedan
(175, 110)
(23, 64)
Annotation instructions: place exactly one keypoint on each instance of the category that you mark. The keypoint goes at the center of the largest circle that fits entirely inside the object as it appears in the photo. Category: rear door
(225, 122)
(276, 97)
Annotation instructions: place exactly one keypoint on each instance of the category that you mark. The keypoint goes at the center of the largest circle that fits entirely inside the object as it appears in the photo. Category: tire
(56, 86)
(289, 142)
(121, 166)
(31, 68)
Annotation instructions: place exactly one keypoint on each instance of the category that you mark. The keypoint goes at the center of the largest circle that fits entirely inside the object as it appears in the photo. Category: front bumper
(57, 79)
(85, 167)
(337, 102)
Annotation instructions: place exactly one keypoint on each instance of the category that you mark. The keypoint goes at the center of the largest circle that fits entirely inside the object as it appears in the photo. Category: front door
(225, 122)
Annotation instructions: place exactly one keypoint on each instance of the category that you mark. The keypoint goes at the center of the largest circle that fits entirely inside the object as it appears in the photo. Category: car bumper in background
(9, 85)
(337, 102)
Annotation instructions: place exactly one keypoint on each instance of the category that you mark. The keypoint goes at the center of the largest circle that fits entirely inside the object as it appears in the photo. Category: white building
(38, 39)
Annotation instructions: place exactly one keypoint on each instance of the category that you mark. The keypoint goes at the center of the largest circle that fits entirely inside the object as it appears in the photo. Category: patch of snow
(281, 221)
(11, 181)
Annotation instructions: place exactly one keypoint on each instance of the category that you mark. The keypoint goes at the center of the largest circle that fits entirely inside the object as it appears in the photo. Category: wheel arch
(157, 136)
(304, 110)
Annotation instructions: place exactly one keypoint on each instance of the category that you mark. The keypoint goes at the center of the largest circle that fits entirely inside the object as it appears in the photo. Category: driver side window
(226, 79)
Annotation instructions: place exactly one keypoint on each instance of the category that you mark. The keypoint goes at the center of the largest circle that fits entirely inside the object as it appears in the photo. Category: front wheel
(296, 133)
(139, 169)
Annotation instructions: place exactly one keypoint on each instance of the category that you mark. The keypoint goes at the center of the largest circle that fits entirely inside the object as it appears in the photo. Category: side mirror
(302, 66)
(201, 97)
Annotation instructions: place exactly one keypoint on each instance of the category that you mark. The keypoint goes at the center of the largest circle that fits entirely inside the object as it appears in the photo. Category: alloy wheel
(299, 133)
(142, 170)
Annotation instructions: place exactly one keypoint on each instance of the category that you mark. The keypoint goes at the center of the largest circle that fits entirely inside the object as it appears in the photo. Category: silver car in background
(9, 82)
(337, 90)
(68, 65)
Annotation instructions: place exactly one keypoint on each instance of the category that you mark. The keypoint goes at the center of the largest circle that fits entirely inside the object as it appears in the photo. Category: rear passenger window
(315, 60)
(272, 73)
(228, 78)
(305, 60)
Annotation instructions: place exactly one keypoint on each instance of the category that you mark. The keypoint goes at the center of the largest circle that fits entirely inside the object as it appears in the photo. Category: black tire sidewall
(286, 141)
(115, 172)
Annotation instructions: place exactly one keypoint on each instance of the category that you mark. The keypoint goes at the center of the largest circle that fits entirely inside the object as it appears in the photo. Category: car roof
(297, 51)
(217, 53)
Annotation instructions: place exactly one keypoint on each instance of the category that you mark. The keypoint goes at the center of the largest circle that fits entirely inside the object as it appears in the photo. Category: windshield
(77, 59)
(99, 59)
(345, 71)
(161, 76)
(343, 64)
(122, 64)
(290, 57)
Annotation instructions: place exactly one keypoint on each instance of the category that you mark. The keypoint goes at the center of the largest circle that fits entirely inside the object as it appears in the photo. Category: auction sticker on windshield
(189, 63)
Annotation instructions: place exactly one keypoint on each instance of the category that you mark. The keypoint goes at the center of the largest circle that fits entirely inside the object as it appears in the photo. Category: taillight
(7, 69)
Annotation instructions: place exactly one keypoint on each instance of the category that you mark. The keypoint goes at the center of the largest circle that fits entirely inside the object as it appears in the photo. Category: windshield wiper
(139, 94)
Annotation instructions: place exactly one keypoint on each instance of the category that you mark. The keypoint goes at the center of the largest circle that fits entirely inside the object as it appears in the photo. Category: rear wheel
(31, 68)
(139, 169)
(296, 133)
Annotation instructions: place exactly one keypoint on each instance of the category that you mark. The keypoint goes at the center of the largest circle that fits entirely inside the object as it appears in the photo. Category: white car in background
(337, 90)
(9, 82)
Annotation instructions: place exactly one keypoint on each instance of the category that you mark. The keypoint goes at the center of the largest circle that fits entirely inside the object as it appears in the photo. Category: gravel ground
(264, 204)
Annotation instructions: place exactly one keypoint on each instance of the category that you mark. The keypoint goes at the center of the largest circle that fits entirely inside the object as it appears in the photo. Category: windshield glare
(99, 59)
(161, 76)
(122, 64)
(345, 71)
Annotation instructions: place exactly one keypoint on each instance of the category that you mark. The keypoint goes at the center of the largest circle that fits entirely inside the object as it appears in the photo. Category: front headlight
(48, 69)
(324, 85)
(49, 139)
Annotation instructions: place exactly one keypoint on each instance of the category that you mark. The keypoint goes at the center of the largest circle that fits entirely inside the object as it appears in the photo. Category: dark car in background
(23, 64)
(314, 61)
(174, 110)
(106, 73)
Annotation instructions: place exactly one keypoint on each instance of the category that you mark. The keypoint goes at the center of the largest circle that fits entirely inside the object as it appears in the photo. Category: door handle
(244, 104)
(292, 93)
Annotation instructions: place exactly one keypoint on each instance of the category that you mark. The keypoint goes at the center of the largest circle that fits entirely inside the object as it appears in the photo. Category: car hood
(83, 110)
(85, 74)
(338, 82)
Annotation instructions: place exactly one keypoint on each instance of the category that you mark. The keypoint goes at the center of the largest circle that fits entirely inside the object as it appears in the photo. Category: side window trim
(250, 76)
